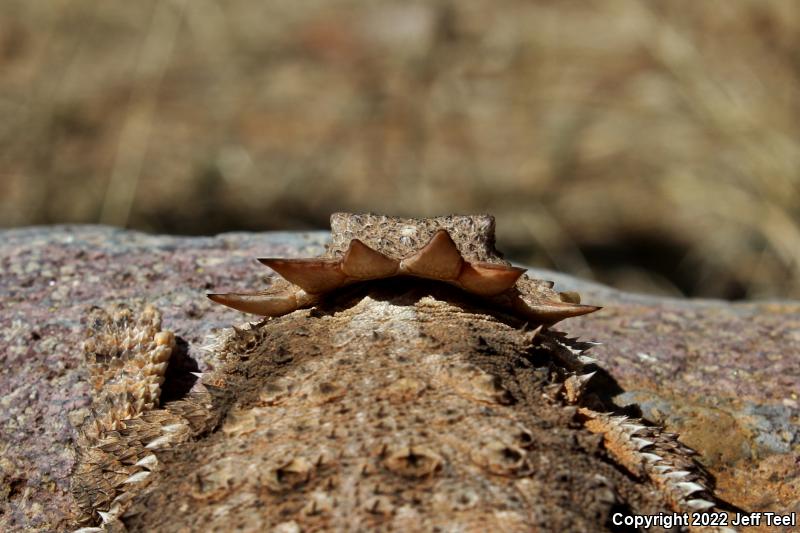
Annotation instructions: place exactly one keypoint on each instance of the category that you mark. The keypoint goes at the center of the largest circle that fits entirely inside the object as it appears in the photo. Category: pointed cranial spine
(305, 280)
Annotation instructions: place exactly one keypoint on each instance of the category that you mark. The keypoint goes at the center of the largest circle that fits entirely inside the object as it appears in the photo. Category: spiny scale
(413, 409)
(438, 260)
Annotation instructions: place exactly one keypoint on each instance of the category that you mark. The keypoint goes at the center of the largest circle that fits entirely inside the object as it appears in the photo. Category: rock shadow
(178, 380)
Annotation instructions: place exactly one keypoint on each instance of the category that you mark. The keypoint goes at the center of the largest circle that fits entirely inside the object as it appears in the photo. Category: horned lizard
(409, 380)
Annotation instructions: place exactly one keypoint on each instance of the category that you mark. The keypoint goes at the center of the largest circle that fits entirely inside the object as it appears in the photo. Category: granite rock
(724, 376)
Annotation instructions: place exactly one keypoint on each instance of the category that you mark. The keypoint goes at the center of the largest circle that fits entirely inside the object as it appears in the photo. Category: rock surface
(723, 375)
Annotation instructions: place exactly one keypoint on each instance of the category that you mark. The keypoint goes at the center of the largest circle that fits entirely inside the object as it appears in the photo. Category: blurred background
(650, 145)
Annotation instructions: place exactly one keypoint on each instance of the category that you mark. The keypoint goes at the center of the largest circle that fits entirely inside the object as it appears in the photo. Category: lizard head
(457, 250)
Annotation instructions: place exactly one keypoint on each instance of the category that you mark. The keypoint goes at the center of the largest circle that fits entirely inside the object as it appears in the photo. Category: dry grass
(653, 145)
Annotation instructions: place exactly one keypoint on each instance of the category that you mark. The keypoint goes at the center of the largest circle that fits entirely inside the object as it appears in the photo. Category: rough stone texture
(723, 375)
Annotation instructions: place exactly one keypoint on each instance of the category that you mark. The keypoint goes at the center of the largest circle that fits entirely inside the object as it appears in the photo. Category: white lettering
(667, 521)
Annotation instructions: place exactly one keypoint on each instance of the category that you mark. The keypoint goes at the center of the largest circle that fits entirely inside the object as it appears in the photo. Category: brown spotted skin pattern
(402, 404)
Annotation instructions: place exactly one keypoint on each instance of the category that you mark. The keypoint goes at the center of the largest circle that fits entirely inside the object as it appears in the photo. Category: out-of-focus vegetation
(652, 145)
